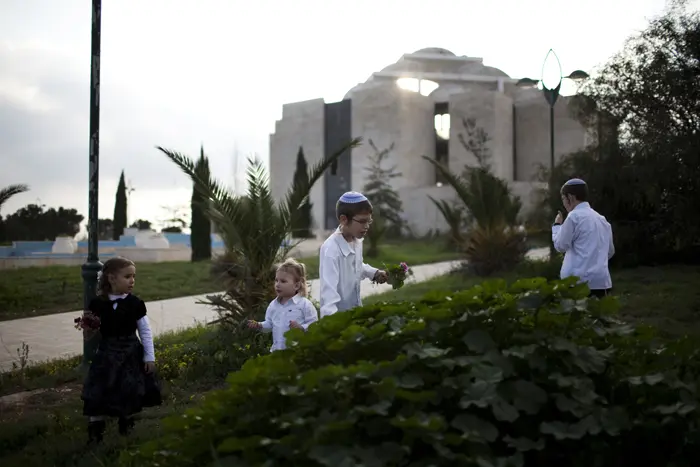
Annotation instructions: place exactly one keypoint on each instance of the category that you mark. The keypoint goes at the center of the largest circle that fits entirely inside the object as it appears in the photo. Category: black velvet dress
(117, 384)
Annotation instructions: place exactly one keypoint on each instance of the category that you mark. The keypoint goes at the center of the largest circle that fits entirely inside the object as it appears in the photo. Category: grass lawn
(47, 428)
(31, 292)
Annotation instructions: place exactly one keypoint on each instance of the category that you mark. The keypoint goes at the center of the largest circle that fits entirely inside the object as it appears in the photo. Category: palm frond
(10, 191)
(254, 229)
(224, 207)
(455, 181)
(487, 198)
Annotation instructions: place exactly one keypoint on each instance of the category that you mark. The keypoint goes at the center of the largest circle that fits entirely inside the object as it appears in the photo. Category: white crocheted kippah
(352, 197)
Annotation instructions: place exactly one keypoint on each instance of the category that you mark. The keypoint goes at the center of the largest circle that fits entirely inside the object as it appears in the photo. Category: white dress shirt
(278, 316)
(144, 328)
(340, 272)
(586, 240)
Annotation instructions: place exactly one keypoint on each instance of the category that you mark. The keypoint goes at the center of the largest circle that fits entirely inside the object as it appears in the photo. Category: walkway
(53, 336)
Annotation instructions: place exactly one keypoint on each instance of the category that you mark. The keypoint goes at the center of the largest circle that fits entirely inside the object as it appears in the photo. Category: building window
(442, 126)
(442, 138)
(422, 86)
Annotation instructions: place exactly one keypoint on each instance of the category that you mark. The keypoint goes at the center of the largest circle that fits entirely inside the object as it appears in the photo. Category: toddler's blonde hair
(298, 271)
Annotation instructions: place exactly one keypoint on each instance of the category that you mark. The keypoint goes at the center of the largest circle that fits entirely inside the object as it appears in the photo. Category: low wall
(138, 255)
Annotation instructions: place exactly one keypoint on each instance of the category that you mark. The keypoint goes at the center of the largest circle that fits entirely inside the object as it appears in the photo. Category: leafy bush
(493, 250)
(206, 353)
(549, 269)
(534, 374)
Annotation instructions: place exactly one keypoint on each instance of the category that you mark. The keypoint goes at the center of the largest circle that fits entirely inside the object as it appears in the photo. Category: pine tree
(302, 229)
(119, 209)
(200, 236)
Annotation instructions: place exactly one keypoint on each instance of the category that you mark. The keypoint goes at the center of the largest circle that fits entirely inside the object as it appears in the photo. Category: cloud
(44, 134)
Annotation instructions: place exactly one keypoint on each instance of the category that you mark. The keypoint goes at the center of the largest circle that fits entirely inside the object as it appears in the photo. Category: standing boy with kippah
(585, 238)
(341, 268)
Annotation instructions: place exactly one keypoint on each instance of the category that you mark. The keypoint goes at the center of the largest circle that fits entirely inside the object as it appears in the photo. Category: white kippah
(575, 181)
(352, 197)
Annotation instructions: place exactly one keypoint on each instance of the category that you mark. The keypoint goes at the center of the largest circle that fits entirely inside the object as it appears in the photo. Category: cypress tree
(200, 236)
(119, 223)
(302, 225)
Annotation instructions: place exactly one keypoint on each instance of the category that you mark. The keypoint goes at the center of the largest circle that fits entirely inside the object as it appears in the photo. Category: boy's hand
(254, 324)
(381, 277)
(559, 219)
(294, 325)
(150, 367)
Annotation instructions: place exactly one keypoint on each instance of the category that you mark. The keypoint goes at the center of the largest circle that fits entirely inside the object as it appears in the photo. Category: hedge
(532, 374)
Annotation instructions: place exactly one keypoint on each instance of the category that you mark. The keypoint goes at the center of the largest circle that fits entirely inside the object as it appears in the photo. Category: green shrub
(549, 269)
(532, 374)
(490, 251)
(207, 353)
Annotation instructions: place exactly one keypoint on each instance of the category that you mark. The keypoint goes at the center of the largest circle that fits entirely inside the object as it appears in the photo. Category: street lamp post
(550, 89)
(93, 265)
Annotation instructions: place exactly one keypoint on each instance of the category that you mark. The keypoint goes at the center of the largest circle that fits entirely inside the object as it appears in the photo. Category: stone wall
(386, 115)
(493, 113)
(302, 124)
(532, 134)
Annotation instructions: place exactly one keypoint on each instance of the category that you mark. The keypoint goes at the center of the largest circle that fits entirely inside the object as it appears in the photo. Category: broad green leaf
(473, 425)
(479, 341)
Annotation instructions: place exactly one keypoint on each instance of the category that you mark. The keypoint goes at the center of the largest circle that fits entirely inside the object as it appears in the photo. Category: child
(120, 381)
(585, 238)
(341, 268)
(291, 308)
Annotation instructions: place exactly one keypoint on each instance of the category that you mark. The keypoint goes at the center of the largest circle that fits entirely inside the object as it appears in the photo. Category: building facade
(418, 104)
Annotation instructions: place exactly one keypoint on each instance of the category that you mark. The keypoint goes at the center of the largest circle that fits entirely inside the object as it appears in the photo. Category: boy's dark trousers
(600, 293)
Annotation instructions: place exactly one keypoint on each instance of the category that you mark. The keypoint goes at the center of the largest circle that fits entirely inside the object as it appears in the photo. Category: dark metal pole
(551, 138)
(93, 264)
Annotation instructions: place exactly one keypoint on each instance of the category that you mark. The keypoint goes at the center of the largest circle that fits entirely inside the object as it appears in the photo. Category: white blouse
(278, 316)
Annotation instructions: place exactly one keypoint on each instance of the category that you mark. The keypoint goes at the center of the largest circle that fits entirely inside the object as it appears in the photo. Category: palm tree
(454, 215)
(493, 242)
(9, 191)
(253, 228)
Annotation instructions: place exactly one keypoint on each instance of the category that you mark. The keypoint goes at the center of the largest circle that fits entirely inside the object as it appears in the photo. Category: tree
(176, 219)
(105, 229)
(120, 209)
(253, 228)
(33, 223)
(200, 236)
(141, 224)
(380, 191)
(644, 171)
(10, 191)
(302, 227)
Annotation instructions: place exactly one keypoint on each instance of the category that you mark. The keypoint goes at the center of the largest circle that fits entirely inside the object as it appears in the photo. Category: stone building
(418, 104)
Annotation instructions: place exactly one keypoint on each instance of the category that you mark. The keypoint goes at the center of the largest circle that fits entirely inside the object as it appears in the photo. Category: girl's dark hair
(111, 266)
(298, 271)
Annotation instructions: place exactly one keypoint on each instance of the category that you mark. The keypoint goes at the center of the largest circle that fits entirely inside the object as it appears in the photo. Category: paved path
(53, 336)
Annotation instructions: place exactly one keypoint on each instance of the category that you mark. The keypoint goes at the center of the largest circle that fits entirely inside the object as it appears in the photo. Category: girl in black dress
(121, 379)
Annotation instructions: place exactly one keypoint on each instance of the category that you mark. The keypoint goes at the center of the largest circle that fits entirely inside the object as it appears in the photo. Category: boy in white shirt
(341, 268)
(585, 238)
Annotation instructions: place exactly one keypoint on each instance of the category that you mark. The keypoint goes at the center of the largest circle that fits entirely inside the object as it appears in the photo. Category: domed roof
(434, 51)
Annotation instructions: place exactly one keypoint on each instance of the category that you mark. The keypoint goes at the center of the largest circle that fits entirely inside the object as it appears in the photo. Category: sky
(180, 74)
